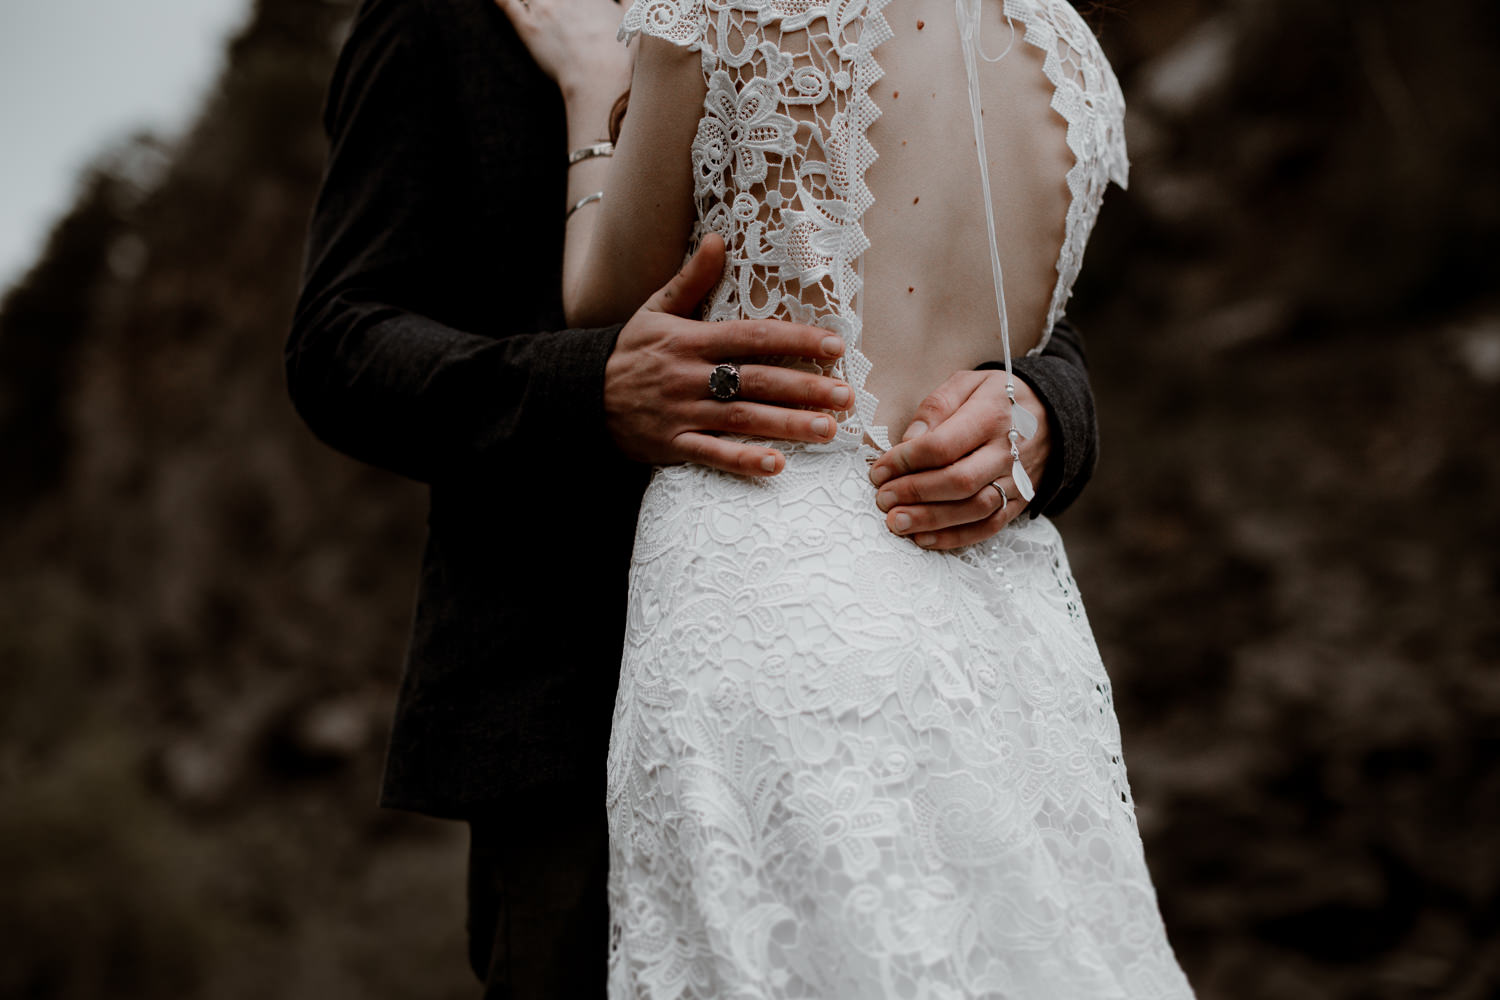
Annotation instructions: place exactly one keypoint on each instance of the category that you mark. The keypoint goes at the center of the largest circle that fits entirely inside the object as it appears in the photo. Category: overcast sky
(78, 74)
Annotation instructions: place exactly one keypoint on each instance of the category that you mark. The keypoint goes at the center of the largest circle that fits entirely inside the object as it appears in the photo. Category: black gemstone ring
(724, 382)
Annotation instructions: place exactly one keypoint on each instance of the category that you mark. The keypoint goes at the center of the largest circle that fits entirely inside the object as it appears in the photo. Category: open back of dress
(836, 156)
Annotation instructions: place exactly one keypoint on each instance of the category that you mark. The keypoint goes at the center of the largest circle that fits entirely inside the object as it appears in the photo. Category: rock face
(1289, 553)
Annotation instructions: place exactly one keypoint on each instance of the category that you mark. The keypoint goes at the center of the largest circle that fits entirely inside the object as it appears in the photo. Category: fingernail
(915, 429)
(902, 523)
(886, 499)
(768, 463)
(840, 396)
(925, 539)
(822, 426)
(880, 475)
(833, 346)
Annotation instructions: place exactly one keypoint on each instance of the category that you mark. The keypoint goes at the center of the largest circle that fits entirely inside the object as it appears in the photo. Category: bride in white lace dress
(843, 765)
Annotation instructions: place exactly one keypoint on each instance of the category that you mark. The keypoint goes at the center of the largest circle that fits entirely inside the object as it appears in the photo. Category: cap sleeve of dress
(681, 22)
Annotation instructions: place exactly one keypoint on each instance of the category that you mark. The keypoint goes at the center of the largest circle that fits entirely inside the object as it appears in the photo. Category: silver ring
(1004, 500)
(724, 382)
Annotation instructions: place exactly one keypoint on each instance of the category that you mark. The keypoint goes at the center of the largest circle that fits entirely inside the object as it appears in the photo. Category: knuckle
(917, 454)
(813, 391)
(757, 337)
(938, 402)
(738, 417)
(931, 450)
(967, 481)
(684, 341)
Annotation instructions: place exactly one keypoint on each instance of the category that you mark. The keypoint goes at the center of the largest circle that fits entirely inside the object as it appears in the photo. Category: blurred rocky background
(1289, 553)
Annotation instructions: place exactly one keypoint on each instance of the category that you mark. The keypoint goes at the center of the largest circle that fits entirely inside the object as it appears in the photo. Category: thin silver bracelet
(596, 196)
(589, 152)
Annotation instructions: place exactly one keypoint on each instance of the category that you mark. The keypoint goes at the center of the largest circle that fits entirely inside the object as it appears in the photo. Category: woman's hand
(573, 41)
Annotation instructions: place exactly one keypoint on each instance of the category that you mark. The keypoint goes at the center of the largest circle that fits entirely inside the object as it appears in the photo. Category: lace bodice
(782, 149)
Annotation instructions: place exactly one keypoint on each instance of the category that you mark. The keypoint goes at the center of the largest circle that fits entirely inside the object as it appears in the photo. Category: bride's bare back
(929, 305)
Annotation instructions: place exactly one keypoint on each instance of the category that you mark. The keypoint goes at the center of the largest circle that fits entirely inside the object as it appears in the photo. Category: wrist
(593, 92)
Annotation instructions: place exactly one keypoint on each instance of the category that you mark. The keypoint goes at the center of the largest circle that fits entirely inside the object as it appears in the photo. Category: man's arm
(1059, 377)
(393, 358)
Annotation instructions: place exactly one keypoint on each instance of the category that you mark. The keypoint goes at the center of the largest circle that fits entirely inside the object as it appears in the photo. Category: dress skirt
(845, 767)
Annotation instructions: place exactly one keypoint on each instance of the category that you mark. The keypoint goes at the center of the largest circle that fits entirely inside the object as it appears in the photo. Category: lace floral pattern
(780, 157)
(842, 766)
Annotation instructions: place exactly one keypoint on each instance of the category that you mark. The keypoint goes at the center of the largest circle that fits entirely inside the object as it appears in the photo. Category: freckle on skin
(895, 94)
(916, 199)
(921, 25)
(910, 289)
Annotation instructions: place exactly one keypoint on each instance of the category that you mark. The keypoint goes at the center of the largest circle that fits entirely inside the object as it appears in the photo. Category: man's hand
(941, 485)
(656, 400)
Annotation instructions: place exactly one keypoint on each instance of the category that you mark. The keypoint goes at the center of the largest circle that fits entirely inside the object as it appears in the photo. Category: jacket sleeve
(404, 351)
(1060, 378)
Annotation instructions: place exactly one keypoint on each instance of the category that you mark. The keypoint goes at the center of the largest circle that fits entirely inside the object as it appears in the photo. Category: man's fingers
(957, 480)
(967, 534)
(728, 456)
(942, 403)
(686, 290)
(764, 420)
(687, 381)
(984, 506)
(785, 387)
(968, 429)
(748, 338)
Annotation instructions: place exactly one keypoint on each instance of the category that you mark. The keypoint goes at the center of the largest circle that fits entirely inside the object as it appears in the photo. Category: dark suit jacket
(429, 339)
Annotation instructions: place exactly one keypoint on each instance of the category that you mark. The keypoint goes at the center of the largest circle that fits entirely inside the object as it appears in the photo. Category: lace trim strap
(1086, 93)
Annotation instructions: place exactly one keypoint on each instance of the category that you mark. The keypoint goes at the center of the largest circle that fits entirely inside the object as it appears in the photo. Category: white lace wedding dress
(842, 766)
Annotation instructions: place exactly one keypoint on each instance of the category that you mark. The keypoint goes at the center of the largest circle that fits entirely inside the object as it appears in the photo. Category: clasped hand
(941, 485)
